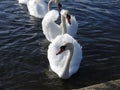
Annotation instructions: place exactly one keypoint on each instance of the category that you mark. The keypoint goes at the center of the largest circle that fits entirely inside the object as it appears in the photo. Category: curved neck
(65, 72)
(49, 4)
(64, 29)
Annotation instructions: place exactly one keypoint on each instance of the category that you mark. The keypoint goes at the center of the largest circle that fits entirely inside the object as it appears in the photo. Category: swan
(64, 55)
(23, 1)
(38, 8)
(51, 30)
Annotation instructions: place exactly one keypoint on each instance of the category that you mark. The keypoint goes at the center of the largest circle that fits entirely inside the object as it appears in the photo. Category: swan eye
(62, 47)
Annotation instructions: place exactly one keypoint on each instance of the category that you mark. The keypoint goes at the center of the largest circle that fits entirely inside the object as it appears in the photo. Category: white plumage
(57, 62)
(37, 8)
(51, 30)
(23, 1)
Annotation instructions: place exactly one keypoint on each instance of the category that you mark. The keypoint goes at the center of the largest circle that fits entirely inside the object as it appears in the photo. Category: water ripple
(23, 47)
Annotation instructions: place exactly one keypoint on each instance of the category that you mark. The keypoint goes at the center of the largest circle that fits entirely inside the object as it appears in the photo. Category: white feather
(51, 30)
(37, 8)
(57, 61)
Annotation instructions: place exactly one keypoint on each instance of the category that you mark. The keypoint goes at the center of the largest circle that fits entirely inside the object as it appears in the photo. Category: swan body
(23, 1)
(49, 27)
(59, 64)
(38, 8)
(51, 30)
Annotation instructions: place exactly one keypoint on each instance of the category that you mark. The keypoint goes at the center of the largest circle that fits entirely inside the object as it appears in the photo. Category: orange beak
(60, 51)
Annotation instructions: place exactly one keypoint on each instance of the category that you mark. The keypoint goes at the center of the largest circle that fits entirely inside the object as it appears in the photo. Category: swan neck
(66, 66)
(49, 5)
(64, 30)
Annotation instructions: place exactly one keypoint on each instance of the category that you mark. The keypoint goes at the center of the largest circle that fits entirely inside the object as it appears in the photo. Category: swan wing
(73, 27)
(23, 1)
(57, 61)
(37, 8)
(76, 59)
(49, 27)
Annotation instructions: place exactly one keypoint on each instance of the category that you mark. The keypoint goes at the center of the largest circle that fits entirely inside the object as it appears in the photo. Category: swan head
(58, 3)
(66, 14)
(64, 47)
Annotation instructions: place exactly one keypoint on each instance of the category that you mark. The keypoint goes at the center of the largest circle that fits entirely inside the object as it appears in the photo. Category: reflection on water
(23, 47)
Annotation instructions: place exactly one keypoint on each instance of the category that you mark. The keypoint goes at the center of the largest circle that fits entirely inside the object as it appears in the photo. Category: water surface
(23, 47)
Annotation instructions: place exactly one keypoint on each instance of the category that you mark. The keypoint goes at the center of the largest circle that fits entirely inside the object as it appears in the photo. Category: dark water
(23, 47)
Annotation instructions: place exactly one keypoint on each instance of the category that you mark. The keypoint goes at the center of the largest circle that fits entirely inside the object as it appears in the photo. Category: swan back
(52, 15)
(57, 61)
(23, 1)
(73, 27)
(37, 8)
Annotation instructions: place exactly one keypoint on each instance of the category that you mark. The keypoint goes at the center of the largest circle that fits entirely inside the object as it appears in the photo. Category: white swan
(64, 55)
(51, 30)
(23, 1)
(38, 8)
